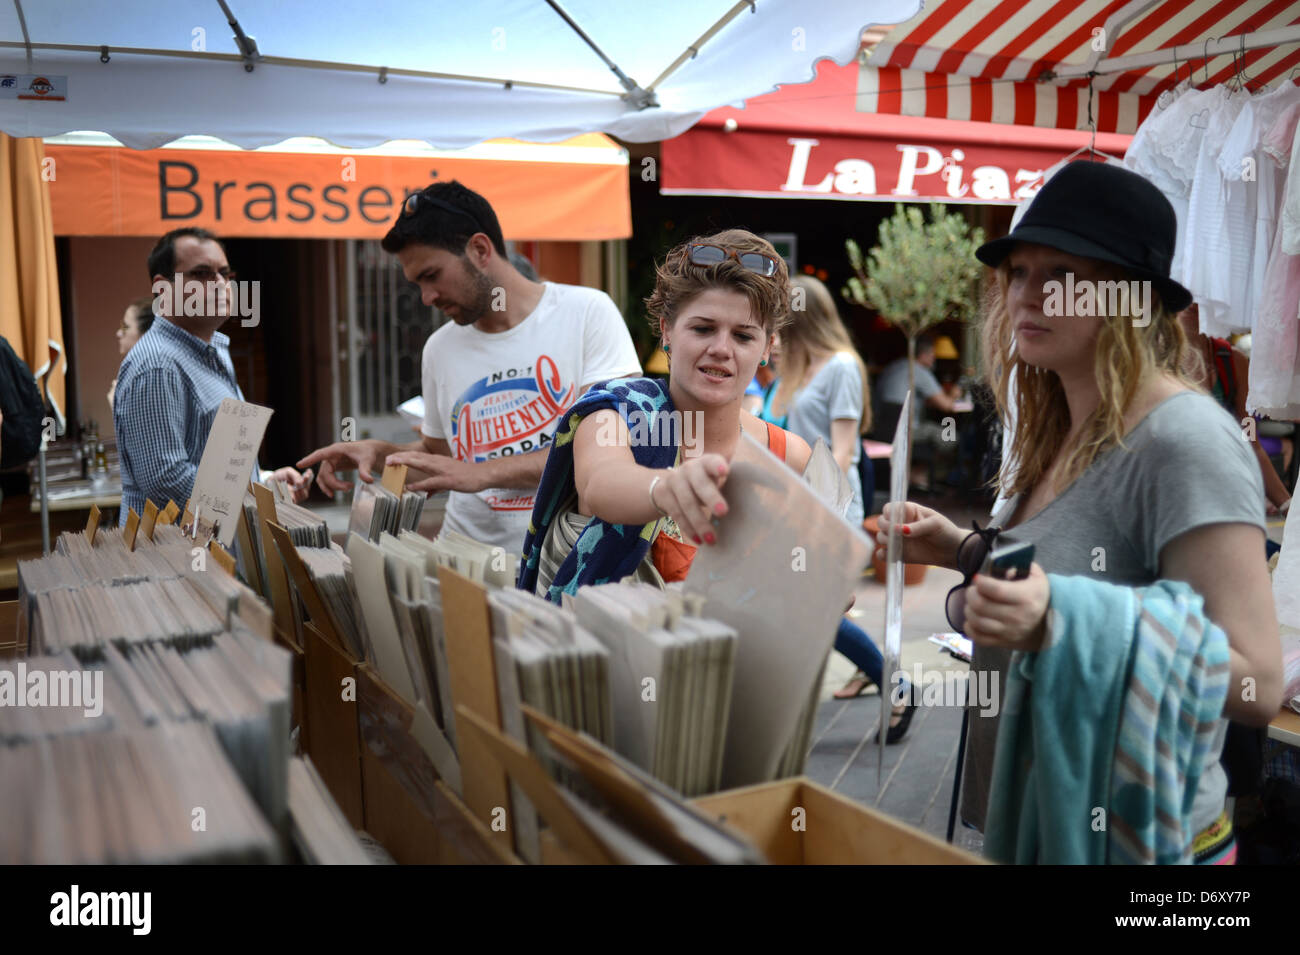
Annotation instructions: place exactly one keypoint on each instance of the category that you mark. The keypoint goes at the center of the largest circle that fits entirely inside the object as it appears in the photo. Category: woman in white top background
(823, 389)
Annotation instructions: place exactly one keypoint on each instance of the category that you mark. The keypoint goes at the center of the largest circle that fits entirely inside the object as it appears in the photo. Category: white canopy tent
(254, 72)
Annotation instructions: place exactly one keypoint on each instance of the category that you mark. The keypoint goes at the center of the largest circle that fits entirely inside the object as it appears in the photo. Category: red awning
(1030, 62)
(809, 141)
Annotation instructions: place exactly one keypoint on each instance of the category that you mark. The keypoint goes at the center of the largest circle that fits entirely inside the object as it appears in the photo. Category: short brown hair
(678, 281)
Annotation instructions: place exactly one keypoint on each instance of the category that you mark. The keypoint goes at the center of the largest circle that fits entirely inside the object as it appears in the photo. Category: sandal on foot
(905, 719)
(855, 687)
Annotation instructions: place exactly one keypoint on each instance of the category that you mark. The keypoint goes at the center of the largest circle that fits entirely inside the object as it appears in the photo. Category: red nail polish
(906, 530)
(696, 538)
(709, 538)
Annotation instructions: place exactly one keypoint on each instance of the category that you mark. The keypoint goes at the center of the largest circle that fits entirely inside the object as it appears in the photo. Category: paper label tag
(227, 464)
(92, 524)
(150, 518)
(132, 526)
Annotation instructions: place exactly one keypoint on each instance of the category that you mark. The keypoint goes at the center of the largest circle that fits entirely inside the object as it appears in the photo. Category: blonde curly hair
(1128, 348)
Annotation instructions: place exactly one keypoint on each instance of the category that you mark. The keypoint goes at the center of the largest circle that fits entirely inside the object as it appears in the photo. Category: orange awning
(29, 285)
(575, 190)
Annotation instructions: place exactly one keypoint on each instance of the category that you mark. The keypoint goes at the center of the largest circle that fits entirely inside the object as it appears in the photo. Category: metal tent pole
(45, 503)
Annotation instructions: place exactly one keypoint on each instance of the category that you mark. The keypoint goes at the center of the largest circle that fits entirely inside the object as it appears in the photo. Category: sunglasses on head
(710, 255)
(971, 553)
(412, 203)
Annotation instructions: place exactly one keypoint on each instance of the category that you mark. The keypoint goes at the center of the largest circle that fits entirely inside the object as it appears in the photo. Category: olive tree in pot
(921, 271)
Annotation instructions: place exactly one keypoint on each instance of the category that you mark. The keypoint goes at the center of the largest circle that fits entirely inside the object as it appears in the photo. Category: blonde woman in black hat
(1127, 472)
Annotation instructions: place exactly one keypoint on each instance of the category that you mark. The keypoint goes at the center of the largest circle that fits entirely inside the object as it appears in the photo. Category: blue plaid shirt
(168, 390)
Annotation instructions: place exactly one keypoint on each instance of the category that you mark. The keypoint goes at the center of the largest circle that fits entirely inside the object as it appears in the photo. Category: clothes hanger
(1243, 80)
(1205, 63)
(1094, 154)
(1167, 97)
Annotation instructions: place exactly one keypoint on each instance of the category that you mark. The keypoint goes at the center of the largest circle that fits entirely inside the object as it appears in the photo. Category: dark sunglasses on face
(709, 255)
(412, 203)
(971, 553)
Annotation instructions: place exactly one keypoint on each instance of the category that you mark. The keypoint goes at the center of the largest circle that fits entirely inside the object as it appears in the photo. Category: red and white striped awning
(1032, 62)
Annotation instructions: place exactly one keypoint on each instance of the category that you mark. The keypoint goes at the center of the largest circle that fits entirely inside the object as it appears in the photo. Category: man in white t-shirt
(496, 379)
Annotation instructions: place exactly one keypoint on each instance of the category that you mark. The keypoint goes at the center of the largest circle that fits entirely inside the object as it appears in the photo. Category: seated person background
(891, 391)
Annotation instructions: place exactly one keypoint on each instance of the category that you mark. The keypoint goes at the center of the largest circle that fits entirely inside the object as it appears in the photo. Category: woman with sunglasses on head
(610, 507)
(1126, 474)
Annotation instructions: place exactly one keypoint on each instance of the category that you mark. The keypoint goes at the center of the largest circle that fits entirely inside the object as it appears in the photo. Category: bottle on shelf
(86, 451)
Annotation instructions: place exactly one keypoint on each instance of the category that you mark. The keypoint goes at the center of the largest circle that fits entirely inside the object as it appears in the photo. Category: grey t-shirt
(891, 386)
(1186, 465)
(834, 393)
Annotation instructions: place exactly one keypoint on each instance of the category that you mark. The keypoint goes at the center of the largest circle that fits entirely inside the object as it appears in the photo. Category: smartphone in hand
(1010, 562)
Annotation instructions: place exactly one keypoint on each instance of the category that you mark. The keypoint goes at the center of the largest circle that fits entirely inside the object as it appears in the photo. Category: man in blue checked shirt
(172, 382)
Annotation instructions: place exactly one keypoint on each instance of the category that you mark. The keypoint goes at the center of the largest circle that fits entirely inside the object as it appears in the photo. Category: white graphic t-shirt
(489, 395)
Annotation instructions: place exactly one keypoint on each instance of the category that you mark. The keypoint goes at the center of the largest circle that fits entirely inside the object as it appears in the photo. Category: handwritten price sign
(227, 464)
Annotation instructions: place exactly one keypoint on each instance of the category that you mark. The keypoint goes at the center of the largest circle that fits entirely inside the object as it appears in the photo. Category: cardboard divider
(397, 780)
(398, 822)
(532, 777)
(281, 601)
(468, 626)
(150, 519)
(291, 562)
(224, 559)
(332, 680)
(132, 528)
(330, 720)
(466, 840)
(798, 822)
(394, 478)
(294, 639)
(92, 524)
(368, 743)
(413, 813)
(555, 851)
(385, 721)
(625, 795)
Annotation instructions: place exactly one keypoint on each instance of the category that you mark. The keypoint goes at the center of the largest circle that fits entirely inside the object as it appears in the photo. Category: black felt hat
(1105, 212)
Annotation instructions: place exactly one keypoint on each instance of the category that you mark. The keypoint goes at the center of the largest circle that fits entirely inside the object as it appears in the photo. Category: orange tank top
(672, 557)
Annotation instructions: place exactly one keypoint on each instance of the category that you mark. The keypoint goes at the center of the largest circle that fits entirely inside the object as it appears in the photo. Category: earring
(665, 349)
(762, 363)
